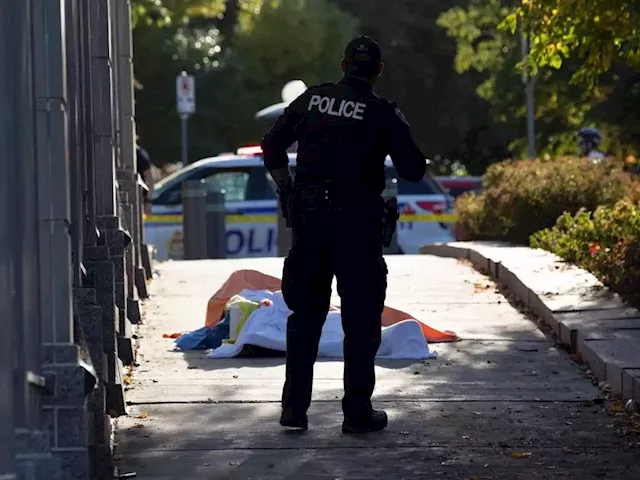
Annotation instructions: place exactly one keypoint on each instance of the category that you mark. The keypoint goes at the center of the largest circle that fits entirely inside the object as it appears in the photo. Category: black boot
(292, 419)
(374, 423)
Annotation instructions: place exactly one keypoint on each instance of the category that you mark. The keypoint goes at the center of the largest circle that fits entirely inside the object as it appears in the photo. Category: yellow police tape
(272, 218)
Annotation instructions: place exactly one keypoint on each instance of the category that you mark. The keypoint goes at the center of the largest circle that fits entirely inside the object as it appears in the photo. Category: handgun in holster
(285, 196)
(390, 217)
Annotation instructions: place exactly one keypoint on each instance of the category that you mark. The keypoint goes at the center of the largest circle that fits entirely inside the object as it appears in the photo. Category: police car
(251, 204)
(456, 186)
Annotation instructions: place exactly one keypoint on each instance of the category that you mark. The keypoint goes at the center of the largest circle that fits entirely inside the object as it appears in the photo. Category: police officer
(344, 133)
(143, 163)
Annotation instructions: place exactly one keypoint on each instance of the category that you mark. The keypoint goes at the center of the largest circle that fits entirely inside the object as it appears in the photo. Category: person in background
(589, 139)
(145, 170)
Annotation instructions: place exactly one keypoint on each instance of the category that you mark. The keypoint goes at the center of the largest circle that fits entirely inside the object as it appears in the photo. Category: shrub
(520, 198)
(606, 243)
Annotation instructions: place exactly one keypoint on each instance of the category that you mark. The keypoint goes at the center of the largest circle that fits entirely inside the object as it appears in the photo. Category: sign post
(186, 105)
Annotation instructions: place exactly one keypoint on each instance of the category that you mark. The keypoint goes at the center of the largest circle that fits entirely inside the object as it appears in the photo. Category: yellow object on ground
(255, 280)
(239, 311)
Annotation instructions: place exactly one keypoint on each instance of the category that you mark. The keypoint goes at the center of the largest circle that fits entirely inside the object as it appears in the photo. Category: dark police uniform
(344, 132)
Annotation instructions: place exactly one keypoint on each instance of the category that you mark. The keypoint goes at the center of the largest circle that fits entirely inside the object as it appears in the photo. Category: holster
(285, 197)
(390, 216)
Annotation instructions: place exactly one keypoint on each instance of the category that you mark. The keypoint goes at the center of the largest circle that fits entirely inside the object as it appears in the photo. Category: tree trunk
(227, 24)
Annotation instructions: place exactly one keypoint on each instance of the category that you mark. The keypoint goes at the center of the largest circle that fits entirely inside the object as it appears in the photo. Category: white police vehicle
(251, 223)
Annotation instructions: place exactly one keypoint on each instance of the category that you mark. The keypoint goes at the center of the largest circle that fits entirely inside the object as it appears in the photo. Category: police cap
(363, 50)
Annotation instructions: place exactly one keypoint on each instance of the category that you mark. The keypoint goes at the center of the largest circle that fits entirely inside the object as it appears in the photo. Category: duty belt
(325, 197)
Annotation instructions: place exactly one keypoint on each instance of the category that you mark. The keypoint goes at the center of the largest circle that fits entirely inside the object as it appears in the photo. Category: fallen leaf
(171, 335)
(138, 425)
(520, 454)
(481, 287)
(143, 415)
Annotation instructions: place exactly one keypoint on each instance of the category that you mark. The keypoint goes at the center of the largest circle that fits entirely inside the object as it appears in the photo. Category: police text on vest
(347, 108)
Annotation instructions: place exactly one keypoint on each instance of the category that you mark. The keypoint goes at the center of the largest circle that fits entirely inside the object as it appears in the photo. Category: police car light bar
(253, 150)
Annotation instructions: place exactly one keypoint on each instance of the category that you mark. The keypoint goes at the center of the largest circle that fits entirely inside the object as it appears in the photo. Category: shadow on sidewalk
(197, 359)
(465, 414)
(512, 406)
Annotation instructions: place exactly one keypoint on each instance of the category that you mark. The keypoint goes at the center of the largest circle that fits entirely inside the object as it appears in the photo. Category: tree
(451, 123)
(598, 32)
(237, 73)
(561, 107)
(296, 39)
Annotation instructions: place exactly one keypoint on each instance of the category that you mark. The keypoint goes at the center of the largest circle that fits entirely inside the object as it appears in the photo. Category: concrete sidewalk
(503, 403)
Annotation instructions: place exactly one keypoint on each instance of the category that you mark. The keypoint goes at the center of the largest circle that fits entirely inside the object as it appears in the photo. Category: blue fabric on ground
(205, 338)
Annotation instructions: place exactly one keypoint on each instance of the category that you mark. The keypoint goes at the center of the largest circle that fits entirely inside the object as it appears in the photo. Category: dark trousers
(349, 246)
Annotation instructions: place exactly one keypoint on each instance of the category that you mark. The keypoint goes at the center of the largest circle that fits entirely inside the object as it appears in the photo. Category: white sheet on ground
(267, 327)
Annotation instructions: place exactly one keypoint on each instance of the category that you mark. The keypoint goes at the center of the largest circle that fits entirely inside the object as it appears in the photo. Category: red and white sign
(186, 94)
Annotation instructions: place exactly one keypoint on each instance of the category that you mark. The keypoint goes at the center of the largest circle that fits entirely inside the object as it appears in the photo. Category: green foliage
(240, 66)
(243, 51)
(491, 54)
(598, 31)
(164, 13)
(452, 125)
(523, 197)
(605, 242)
(495, 54)
(450, 66)
(561, 106)
(305, 40)
(480, 45)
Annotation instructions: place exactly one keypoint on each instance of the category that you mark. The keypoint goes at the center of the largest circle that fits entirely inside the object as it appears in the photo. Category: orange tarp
(254, 280)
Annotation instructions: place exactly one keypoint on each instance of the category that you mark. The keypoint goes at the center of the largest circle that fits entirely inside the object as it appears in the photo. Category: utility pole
(529, 83)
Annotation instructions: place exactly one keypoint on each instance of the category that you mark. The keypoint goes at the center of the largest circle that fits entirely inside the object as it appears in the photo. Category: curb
(585, 316)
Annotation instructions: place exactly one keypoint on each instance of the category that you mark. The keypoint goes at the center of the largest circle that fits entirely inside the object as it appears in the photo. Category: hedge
(523, 197)
(587, 214)
(605, 242)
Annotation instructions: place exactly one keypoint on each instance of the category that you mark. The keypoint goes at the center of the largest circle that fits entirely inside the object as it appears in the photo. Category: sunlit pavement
(503, 403)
